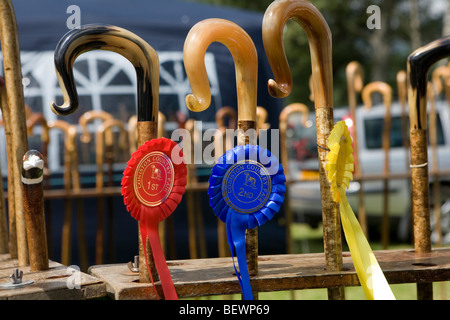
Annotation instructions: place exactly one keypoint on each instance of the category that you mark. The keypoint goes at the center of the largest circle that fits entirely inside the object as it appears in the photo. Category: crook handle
(377, 86)
(244, 54)
(104, 37)
(418, 65)
(319, 36)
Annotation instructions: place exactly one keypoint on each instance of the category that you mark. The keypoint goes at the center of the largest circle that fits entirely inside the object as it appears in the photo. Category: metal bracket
(16, 280)
(134, 266)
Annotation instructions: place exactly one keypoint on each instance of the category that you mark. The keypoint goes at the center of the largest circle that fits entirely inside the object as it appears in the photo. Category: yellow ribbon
(340, 173)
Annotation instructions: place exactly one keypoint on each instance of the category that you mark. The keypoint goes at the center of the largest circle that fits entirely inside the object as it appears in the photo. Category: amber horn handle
(319, 37)
(110, 38)
(377, 86)
(355, 83)
(294, 107)
(244, 54)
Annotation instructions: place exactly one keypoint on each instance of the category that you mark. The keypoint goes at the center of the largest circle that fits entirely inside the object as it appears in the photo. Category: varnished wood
(215, 276)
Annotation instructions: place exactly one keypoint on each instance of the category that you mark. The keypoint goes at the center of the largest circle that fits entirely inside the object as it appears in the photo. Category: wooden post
(319, 37)
(386, 92)
(17, 123)
(146, 63)
(418, 65)
(33, 197)
(284, 115)
(355, 84)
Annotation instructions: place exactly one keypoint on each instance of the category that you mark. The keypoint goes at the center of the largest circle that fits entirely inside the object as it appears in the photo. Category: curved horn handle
(33, 120)
(439, 75)
(161, 123)
(355, 83)
(292, 108)
(88, 117)
(70, 132)
(103, 37)
(224, 112)
(377, 86)
(244, 54)
(319, 36)
(402, 87)
(261, 118)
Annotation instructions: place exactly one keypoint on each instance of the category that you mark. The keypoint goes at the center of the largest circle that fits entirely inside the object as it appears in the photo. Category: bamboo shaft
(319, 37)
(418, 65)
(19, 144)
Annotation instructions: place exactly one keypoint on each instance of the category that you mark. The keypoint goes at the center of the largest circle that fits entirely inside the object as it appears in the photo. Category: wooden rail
(215, 276)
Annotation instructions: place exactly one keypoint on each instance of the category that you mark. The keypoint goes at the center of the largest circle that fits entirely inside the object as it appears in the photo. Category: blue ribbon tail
(236, 227)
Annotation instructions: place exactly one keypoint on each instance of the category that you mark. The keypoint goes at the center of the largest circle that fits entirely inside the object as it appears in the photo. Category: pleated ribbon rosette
(340, 173)
(153, 184)
(246, 189)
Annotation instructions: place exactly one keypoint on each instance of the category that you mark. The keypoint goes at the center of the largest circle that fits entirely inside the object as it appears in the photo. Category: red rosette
(164, 202)
(153, 185)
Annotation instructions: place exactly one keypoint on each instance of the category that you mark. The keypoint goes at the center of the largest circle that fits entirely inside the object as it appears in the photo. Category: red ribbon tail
(150, 222)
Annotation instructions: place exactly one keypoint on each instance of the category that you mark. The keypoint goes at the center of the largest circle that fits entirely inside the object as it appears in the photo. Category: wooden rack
(215, 276)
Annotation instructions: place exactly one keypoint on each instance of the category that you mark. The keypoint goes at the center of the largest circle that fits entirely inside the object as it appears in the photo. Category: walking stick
(261, 119)
(105, 151)
(319, 36)
(85, 138)
(71, 183)
(355, 84)
(432, 93)
(284, 116)
(145, 60)
(193, 201)
(16, 118)
(246, 65)
(418, 65)
(5, 245)
(440, 79)
(33, 197)
(224, 142)
(386, 92)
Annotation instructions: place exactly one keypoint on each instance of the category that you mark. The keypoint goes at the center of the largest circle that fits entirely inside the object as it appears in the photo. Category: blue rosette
(246, 189)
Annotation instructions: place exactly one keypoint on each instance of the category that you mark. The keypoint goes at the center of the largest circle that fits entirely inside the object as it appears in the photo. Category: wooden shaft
(386, 92)
(147, 130)
(319, 37)
(418, 65)
(33, 197)
(284, 115)
(355, 83)
(19, 144)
